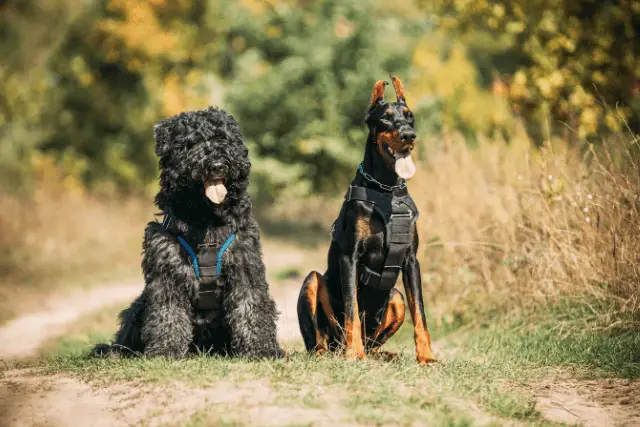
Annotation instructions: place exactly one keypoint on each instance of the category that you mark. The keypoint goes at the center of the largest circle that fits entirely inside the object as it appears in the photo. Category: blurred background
(527, 111)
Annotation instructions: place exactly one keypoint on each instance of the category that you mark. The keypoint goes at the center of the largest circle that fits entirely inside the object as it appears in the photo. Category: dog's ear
(162, 134)
(397, 85)
(378, 93)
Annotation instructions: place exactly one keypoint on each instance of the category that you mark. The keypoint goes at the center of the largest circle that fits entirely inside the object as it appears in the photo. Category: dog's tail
(128, 341)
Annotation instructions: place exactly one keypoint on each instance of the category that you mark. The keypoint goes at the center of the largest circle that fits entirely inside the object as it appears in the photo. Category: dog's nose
(407, 135)
(217, 169)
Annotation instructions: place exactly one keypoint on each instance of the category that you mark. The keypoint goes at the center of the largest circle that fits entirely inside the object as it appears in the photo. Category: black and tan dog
(354, 304)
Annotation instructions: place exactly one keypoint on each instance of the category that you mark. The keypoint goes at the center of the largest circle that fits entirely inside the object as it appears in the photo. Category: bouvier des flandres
(205, 286)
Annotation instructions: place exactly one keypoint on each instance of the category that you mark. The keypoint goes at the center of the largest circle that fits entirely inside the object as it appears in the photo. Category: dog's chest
(212, 259)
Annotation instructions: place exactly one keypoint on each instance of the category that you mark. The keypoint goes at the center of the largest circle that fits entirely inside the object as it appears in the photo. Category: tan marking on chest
(363, 227)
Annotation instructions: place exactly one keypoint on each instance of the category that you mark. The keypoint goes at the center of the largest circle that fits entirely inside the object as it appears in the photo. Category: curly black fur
(164, 320)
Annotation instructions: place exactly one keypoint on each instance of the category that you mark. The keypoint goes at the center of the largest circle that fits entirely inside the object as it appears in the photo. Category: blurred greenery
(576, 62)
(304, 81)
(82, 83)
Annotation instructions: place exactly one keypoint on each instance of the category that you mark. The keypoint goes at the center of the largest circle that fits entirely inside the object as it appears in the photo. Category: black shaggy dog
(205, 286)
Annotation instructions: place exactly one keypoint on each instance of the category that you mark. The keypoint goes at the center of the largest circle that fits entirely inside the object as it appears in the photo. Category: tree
(574, 57)
(124, 66)
(304, 75)
(26, 92)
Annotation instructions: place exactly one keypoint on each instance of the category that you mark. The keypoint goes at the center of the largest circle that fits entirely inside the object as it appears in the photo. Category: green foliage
(124, 66)
(26, 90)
(448, 91)
(299, 74)
(573, 58)
(115, 67)
(84, 82)
(303, 81)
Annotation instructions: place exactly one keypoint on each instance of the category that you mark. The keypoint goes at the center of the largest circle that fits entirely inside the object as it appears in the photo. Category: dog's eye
(386, 123)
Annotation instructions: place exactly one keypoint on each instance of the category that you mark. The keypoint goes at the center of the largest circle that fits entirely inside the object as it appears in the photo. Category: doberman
(354, 305)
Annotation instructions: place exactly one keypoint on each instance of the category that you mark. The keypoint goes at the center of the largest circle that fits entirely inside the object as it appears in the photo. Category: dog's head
(392, 127)
(202, 154)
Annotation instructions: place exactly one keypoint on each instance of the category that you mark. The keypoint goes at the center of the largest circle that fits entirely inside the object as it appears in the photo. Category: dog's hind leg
(315, 313)
(127, 340)
(391, 320)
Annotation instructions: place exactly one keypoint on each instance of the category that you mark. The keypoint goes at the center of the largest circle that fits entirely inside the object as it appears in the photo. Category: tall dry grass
(55, 240)
(500, 224)
(511, 224)
(59, 231)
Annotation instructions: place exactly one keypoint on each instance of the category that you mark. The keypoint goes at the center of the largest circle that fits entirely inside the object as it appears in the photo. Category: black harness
(399, 213)
(207, 263)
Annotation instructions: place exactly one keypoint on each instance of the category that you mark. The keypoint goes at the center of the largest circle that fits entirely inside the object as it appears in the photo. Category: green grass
(486, 372)
(372, 391)
(288, 273)
(566, 334)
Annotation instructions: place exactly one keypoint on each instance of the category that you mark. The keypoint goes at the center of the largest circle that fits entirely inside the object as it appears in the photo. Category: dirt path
(29, 400)
(595, 403)
(24, 335)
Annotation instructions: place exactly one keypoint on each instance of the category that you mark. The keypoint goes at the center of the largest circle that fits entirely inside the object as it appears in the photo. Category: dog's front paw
(270, 351)
(276, 353)
(427, 357)
(352, 354)
(101, 351)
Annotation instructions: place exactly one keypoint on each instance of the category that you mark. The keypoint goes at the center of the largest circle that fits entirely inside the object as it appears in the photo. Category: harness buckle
(402, 215)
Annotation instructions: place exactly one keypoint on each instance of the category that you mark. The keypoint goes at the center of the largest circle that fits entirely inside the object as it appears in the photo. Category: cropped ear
(378, 92)
(397, 85)
(162, 134)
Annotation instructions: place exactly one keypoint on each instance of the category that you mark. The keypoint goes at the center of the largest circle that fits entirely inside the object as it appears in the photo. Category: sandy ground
(28, 400)
(23, 336)
(594, 403)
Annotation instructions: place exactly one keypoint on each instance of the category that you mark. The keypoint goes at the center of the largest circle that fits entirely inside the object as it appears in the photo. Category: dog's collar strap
(385, 187)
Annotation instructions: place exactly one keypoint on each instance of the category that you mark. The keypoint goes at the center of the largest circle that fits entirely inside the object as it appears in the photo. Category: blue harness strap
(221, 252)
(194, 258)
(192, 254)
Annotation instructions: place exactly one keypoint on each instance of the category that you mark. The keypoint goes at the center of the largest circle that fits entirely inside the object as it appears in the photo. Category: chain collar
(379, 184)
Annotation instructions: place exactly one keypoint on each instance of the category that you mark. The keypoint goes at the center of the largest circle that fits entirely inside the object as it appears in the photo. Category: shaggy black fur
(164, 320)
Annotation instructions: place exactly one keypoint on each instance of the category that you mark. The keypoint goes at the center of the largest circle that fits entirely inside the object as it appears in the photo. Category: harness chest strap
(206, 268)
(399, 214)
